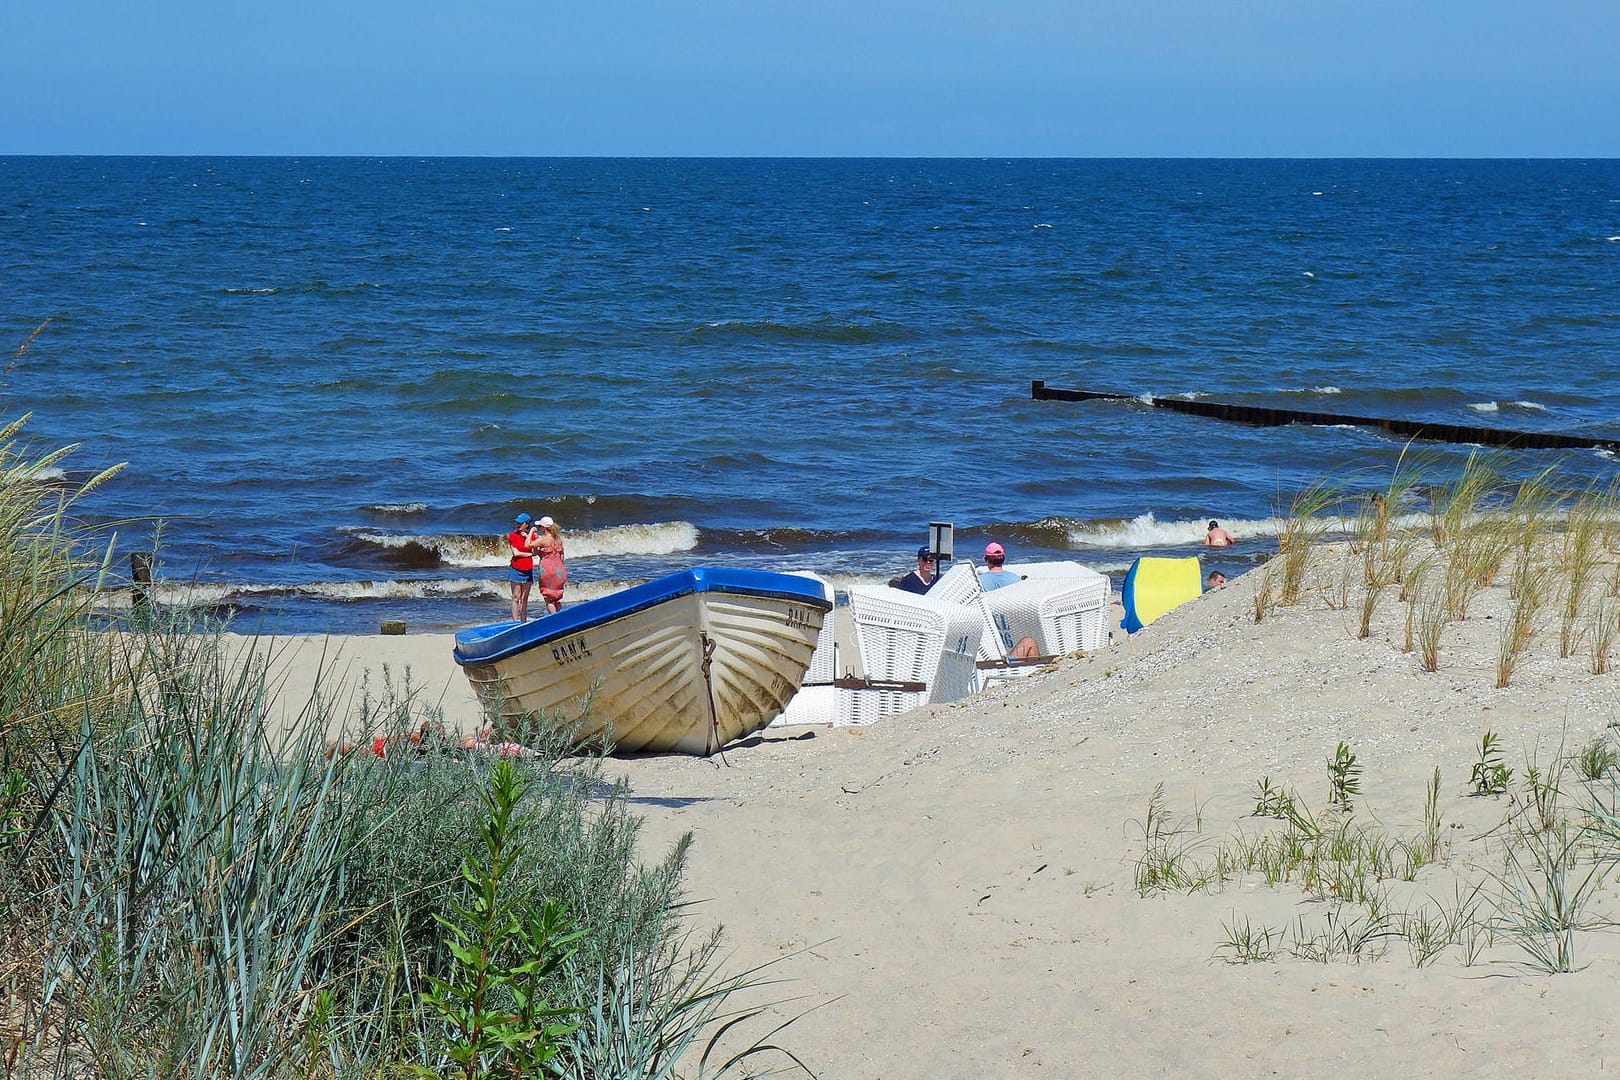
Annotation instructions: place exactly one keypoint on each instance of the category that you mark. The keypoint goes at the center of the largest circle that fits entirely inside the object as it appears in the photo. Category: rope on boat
(713, 746)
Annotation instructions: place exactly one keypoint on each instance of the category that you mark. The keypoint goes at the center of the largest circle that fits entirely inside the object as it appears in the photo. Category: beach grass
(1523, 552)
(191, 888)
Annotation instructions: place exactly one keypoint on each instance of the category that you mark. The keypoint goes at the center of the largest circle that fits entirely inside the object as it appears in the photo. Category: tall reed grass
(190, 889)
(1549, 548)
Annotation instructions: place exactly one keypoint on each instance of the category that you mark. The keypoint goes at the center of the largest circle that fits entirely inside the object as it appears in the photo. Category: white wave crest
(1534, 406)
(201, 595)
(400, 590)
(29, 474)
(398, 508)
(1484, 406)
(1147, 531)
(662, 538)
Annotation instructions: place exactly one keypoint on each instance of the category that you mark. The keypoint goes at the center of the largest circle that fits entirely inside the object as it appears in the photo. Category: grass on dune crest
(1531, 571)
(188, 890)
(1541, 561)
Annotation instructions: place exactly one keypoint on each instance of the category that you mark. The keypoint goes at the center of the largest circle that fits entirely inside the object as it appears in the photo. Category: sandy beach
(953, 892)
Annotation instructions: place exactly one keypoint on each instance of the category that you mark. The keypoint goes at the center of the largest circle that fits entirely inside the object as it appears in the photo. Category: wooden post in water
(140, 581)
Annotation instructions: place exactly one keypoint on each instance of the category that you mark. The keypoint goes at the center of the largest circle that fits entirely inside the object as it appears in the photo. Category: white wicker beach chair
(866, 704)
(816, 701)
(1063, 614)
(958, 585)
(903, 637)
(1054, 569)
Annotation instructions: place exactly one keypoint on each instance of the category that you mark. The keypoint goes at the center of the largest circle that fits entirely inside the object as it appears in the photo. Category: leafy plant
(1544, 896)
(1166, 861)
(1489, 776)
(493, 998)
(1344, 777)
(1272, 802)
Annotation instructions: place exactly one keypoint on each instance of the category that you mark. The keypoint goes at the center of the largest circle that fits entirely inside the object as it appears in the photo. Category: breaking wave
(1496, 406)
(484, 550)
(1146, 531)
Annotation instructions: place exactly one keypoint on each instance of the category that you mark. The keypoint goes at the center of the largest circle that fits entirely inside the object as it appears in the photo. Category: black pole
(140, 580)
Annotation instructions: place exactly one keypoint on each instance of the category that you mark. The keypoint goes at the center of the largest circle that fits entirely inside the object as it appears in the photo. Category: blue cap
(924, 553)
(522, 519)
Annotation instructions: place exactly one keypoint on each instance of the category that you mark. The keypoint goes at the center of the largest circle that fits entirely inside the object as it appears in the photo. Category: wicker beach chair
(907, 638)
(816, 701)
(1064, 614)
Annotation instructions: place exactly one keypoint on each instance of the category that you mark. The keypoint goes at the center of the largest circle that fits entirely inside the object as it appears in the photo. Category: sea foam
(1145, 531)
(484, 549)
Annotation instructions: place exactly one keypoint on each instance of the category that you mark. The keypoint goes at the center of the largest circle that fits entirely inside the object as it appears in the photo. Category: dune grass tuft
(188, 890)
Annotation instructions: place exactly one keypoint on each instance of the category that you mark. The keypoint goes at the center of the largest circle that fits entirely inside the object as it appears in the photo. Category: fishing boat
(687, 662)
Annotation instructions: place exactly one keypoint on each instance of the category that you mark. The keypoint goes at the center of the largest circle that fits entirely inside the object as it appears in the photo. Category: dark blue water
(334, 381)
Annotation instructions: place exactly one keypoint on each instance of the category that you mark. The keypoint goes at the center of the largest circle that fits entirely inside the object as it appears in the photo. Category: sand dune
(952, 893)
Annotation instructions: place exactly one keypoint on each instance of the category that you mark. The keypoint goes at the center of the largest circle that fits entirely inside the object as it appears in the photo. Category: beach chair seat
(816, 701)
(865, 701)
(1064, 614)
(903, 637)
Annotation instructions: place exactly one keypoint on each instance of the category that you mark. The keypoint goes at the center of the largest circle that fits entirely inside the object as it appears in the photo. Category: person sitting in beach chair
(920, 580)
(995, 574)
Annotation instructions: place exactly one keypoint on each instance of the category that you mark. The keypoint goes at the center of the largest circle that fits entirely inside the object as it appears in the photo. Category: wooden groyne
(1412, 429)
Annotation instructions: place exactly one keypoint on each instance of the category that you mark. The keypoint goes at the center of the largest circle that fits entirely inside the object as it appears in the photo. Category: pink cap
(546, 522)
(993, 550)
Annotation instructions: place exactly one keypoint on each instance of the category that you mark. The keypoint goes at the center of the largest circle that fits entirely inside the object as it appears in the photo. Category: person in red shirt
(520, 572)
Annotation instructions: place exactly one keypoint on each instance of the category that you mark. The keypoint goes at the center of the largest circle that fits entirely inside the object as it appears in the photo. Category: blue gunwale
(497, 641)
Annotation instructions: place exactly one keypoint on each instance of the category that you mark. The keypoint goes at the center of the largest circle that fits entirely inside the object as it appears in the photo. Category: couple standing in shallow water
(530, 541)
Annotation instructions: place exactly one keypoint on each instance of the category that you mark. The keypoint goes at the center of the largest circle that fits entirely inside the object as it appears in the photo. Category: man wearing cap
(995, 574)
(920, 580)
(520, 572)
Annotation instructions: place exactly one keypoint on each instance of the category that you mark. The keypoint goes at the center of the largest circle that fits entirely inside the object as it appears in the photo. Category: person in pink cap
(995, 574)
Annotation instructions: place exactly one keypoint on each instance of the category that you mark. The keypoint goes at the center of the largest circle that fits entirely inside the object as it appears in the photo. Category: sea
(333, 382)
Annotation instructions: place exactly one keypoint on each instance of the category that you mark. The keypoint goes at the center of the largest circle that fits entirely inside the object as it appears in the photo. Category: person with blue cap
(920, 580)
(520, 572)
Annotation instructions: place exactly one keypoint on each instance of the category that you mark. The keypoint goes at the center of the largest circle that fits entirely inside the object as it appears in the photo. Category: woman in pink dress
(553, 574)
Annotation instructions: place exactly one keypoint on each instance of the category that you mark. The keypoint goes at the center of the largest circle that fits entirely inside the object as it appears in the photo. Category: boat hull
(686, 663)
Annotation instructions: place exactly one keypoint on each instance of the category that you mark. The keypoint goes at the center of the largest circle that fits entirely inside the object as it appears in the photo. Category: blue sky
(1310, 78)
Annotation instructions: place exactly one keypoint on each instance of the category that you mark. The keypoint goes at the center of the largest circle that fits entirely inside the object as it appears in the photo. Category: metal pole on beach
(140, 581)
(941, 542)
